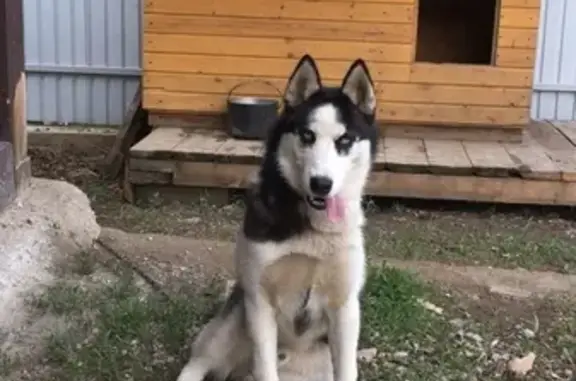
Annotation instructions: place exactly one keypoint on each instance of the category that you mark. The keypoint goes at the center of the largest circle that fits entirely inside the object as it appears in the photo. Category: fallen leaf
(431, 307)
(528, 333)
(367, 354)
(509, 291)
(520, 366)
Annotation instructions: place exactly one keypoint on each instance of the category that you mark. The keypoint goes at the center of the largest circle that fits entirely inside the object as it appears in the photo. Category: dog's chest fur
(296, 273)
(301, 285)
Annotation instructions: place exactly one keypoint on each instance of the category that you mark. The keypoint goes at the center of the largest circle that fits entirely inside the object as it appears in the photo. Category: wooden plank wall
(196, 51)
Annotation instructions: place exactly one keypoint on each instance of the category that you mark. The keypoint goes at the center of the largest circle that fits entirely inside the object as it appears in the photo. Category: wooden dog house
(453, 77)
(448, 63)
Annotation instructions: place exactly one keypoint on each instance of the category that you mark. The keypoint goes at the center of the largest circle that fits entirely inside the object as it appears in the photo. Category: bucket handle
(238, 85)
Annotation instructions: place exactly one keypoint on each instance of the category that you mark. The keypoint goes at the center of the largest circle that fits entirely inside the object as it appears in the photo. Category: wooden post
(14, 160)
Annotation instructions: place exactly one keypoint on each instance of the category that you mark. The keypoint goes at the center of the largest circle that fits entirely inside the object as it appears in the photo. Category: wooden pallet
(540, 170)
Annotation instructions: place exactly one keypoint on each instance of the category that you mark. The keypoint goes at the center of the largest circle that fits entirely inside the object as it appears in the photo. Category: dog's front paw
(347, 373)
(266, 377)
(261, 374)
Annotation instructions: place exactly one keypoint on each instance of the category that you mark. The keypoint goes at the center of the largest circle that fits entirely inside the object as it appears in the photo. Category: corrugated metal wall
(555, 74)
(82, 59)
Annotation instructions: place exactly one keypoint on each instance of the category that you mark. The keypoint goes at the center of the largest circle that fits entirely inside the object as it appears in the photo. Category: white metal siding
(554, 94)
(82, 59)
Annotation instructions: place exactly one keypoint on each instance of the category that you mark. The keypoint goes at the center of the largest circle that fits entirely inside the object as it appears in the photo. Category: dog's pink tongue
(335, 208)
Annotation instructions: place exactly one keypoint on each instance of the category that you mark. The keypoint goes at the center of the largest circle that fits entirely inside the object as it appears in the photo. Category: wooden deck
(540, 170)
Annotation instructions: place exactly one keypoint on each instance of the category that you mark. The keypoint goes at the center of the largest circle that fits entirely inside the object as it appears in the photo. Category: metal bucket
(251, 117)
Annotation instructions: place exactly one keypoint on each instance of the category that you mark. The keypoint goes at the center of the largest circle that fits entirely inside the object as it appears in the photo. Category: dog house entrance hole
(456, 31)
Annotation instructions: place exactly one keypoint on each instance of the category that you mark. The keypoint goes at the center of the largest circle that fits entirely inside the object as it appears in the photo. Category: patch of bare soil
(502, 236)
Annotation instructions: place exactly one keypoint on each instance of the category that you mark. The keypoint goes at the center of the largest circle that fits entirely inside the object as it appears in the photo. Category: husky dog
(300, 261)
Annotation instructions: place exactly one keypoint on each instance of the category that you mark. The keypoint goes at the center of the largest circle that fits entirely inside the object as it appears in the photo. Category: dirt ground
(473, 333)
(502, 236)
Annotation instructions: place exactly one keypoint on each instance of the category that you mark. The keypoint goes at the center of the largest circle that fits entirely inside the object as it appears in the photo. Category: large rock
(49, 221)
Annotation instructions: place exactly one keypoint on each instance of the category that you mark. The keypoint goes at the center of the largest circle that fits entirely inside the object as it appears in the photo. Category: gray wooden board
(405, 155)
(447, 157)
(489, 159)
(159, 142)
(532, 161)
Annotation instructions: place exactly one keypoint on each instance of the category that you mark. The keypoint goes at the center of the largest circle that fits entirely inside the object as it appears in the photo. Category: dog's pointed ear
(358, 86)
(303, 82)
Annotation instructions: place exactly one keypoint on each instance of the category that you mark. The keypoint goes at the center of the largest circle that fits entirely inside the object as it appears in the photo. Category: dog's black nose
(320, 185)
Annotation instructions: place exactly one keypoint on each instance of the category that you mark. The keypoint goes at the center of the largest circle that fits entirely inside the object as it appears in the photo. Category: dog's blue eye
(307, 137)
(344, 140)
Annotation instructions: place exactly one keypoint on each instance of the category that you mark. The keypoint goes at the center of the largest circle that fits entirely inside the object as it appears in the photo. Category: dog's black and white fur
(300, 260)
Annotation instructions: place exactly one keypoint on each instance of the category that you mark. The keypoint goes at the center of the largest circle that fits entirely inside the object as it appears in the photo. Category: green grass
(119, 332)
(7, 364)
(418, 342)
(414, 343)
(391, 307)
(493, 243)
(122, 331)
